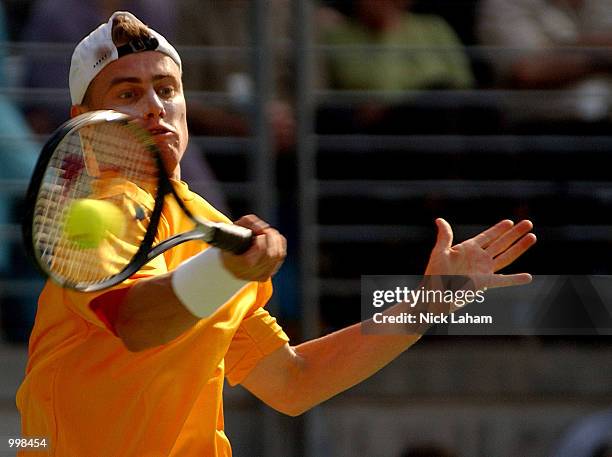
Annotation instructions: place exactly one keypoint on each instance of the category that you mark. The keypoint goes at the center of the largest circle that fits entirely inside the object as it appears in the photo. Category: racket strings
(107, 162)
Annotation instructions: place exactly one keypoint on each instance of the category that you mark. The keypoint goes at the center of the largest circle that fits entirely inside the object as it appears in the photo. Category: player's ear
(75, 110)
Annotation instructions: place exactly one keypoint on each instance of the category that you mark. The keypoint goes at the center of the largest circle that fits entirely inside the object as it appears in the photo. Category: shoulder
(208, 211)
(197, 204)
(430, 28)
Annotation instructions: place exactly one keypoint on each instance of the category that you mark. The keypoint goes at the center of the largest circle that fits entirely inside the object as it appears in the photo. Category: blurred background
(351, 126)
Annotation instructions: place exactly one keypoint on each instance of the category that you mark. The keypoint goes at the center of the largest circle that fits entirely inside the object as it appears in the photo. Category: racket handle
(232, 238)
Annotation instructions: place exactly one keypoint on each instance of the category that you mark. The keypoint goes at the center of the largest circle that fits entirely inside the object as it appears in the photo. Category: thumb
(445, 235)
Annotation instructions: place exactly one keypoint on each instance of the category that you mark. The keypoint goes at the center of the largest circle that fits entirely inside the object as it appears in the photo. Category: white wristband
(203, 284)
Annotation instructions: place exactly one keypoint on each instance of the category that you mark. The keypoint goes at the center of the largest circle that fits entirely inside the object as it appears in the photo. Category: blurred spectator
(48, 24)
(18, 155)
(439, 63)
(461, 16)
(424, 53)
(227, 24)
(589, 437)
(552, 44)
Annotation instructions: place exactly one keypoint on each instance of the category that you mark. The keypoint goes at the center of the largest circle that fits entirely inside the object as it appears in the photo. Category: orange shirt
(90, 397)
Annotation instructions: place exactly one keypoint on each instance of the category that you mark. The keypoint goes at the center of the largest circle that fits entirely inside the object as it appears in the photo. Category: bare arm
(550, 70)
(294, 379)
(555, 69)
(151, 314)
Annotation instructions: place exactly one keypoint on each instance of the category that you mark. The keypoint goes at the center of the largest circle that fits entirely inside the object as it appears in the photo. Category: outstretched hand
(482, 256)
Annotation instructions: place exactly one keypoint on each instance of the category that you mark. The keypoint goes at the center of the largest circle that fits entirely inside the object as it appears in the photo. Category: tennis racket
(106, 157)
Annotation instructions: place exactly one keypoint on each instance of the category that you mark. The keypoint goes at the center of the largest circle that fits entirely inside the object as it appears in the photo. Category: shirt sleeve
(258, 335)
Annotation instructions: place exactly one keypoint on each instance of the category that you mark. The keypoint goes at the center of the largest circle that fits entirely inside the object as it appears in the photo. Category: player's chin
(171, 156)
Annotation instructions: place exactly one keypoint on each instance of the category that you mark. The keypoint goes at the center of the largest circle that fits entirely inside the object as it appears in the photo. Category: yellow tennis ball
(89, 221)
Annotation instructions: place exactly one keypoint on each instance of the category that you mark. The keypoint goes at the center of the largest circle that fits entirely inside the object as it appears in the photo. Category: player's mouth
(160, 132)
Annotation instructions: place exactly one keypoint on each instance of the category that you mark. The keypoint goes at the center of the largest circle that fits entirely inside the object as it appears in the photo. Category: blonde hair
(126, 29)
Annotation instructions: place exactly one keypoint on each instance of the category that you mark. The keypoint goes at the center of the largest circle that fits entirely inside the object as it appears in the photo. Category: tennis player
(138, 370)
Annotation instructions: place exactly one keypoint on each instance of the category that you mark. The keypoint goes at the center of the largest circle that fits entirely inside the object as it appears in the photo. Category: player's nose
(153, 107)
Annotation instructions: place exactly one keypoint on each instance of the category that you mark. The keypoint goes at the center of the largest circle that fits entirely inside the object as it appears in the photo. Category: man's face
(148, 87)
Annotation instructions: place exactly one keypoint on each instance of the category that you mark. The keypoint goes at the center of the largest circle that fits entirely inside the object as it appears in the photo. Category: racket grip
(232, 238)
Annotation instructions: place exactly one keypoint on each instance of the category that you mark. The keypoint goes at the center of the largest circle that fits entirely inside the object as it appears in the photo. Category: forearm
(334, 363)
(152, 315)
(551, 70)
(595, 39)
(556, 68)
(157, 310)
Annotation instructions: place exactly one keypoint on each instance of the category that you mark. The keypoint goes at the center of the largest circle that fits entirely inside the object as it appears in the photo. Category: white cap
(97, 50)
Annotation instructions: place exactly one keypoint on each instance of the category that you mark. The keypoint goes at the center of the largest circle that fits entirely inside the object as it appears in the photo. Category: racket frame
(226, 236)
(164, 186)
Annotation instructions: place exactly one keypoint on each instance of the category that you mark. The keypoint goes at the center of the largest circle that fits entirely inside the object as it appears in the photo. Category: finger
(254, 223)
(272, 254)
(274, 244)
(492, 233)
(247, 266)
(281, 252)
(278, 261)
(284, 243)
(515, 251)
(266, 263)
(256, 251)
(509, 238)
(445, 235)
(509, 280)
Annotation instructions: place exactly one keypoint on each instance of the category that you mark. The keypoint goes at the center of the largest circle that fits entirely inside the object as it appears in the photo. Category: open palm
(482, 256)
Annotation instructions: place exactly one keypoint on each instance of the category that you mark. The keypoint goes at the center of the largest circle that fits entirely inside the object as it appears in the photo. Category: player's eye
(127, 94)
(166, 91)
